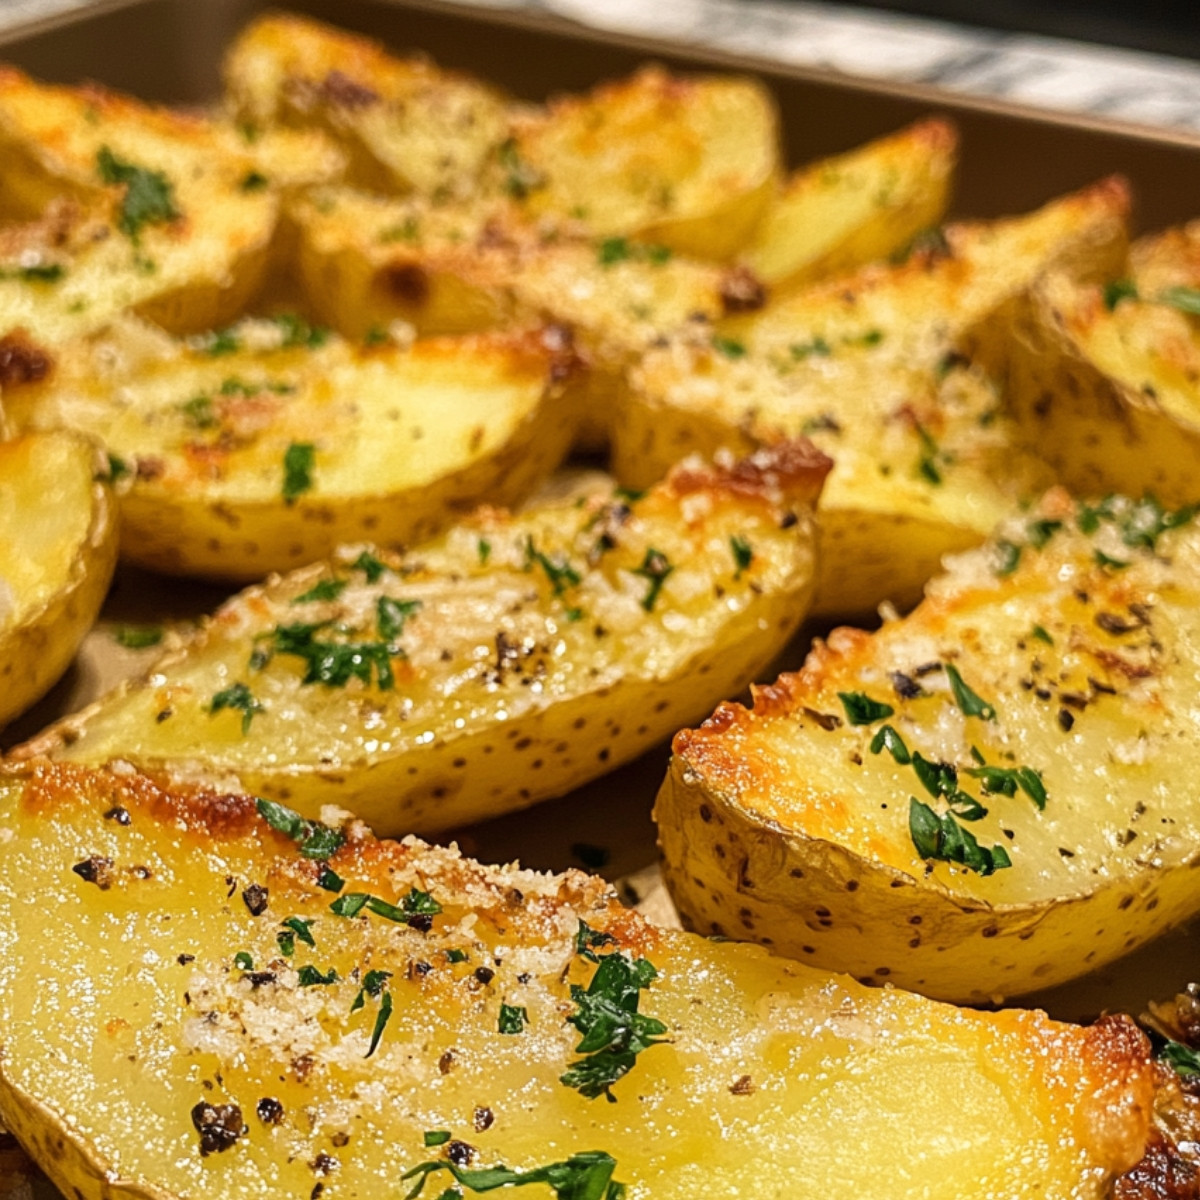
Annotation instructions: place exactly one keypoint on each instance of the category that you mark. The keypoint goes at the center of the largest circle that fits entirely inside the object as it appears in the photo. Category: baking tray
(1013, 159)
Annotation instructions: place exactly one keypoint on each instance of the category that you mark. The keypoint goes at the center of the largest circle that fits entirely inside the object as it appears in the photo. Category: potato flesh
(503, 654)
(1114, 766)
(365, 260)
(218, 427)
(407, 124)
(689, 162)
(856, 208)
(118, 1036)
(46, 512)
(924, 308)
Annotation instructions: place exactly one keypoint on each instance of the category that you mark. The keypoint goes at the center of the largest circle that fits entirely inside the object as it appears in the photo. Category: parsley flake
(309, 976)
(513, 1019)
(1182, 1059)
(862, 710)
(943, 839)
(315, 840)
(369, 565)
(888, 739)
(655, 568)
(729, 347)
(583, 1176)
(236, 696)
(243, 960)
(743, 553)
(1185, 299)
(297, 470)
(148, 198)
(968, 701)
(390, 616)
(324, 589)
(1118, 290)
(138, 637)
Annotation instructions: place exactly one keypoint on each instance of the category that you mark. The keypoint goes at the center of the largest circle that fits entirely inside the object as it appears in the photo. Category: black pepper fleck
(219, 1126)
(255, 897)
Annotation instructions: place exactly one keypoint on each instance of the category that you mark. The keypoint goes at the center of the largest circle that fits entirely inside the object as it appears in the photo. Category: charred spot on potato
(256, 898)
(97, 870)
(408, 283)
(219, 1126)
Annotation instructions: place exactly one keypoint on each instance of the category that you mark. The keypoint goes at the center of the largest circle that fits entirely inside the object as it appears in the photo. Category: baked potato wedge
(987, 797)
(263, 446)
(58, 547)
(689, 163)
(1107, 378)
(508, 662)
(182, 210)
(924, 464)
(189, 1008)
(405, 124)
(868, 204)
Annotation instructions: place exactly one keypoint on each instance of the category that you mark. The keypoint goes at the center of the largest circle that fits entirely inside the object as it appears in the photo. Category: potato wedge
(843, 212)
(987, 797)
(58, 547)
(264, 446)
(944, 295)
(508, 662)
(924, 465)
(188, 228)
(406, 124)
(691, 163)
(1108, 378)
(218, 1052)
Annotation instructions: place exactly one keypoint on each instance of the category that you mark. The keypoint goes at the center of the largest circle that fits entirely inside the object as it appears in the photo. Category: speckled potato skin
(511, 686)
(780, 825)
(404, 439)
(54, 468)
(1113, 393)
(767, 1065)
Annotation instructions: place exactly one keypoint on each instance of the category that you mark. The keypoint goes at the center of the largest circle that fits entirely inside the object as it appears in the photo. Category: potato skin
(780, 824)
(541, 653)
(1042, 1111)
(38, 646)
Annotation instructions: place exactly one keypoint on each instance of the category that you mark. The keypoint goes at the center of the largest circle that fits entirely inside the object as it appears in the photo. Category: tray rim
(938, 99)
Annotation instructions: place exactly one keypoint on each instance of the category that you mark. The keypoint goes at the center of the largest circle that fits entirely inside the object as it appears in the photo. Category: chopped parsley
(1006, 780)
(1042, 636)
(456, 955)
(374, 985)
(614, 1032)
(391, 614)
(888, 739)
(513, 1019)
(618, 249)
(220, 342)
(416, 904)
(297, 470)
(309, 976)
(1182, 1059)
(520, 177)
(654, 569)
(301, 927)
(329, 879)
(942, 838)
(584, 1176)
(332, 664)
(869, 337)
(148, 198)
(118, 468)
(436, 1137)
(1118, 290)
(253, 181)
(743, 553)
(729, 347)
(558, 570)
(37, 273)
(928, 462)
(243, 960)
(1185, 299)
(1113, 564)
(369, 565)
(314, 839)
(408, 230)
(199, 412)
(483, 549)
(862, 710)
(237, 696)
(818, 346)
(381, 1020)
(969, 702)
(324, 589)
(138, 637)
(1040, 532)
(295, 331)
(1008, 556)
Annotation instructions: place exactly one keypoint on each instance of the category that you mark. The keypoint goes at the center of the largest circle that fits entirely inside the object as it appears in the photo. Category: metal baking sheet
(1013, 159)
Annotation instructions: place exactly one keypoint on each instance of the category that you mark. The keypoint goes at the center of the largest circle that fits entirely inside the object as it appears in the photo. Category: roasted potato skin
(1105, 377)
(536, 652)
(58, 537)
(98, 861)
(208, 494)
(790, 824)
